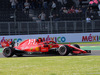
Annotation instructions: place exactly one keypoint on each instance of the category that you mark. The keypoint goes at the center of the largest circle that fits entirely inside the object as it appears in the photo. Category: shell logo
(37, 48)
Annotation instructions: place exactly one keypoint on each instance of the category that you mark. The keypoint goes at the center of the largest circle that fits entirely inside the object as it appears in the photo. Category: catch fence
(48, 27)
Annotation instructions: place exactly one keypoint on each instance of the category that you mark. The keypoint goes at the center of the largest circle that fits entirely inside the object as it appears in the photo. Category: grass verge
(53, 65)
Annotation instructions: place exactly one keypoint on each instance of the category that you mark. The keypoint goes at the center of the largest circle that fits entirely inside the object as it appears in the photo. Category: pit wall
(59, 38)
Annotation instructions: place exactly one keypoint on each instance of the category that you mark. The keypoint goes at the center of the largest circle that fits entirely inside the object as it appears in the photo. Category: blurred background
(24, 17)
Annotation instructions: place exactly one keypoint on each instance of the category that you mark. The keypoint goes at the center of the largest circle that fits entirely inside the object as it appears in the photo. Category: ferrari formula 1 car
(30, 46)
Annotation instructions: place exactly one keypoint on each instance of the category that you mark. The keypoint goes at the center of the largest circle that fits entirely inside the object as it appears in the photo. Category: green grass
(53, 65)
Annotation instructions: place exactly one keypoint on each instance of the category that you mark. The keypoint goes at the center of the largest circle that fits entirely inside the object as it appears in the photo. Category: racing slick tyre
(8, 52)
(76, 45)
(63, 50)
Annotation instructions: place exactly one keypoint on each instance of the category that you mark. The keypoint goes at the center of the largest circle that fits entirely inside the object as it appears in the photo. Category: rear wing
(5, 44)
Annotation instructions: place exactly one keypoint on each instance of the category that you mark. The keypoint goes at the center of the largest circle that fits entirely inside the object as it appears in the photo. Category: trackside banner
(59, 38)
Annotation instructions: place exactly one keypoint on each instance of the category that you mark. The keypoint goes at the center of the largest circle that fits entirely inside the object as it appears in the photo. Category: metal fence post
(28, 28)
(92, 25)
(9, 28)
(38, 27)
(85, 26)
(65, 27)
(74, 26)
(51, 27)
(18, 28)
(57, 26)
(51, 20)
(48, 27)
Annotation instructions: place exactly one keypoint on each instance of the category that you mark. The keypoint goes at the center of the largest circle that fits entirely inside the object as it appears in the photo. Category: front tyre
(8, 52)
(63, 50)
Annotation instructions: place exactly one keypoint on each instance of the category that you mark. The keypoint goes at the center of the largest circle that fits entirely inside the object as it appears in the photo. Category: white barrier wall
(59, 38)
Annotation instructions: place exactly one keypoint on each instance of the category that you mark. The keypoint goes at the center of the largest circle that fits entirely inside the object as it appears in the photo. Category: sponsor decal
(90, 38)
(43, 49)
(48, 38)
(56, 39)
(37, 48)
(10, 40)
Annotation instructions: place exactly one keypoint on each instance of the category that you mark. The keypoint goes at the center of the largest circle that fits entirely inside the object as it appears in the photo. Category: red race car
(30, 46)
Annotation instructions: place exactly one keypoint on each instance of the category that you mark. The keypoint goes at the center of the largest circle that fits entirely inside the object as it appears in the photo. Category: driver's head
(40, 39)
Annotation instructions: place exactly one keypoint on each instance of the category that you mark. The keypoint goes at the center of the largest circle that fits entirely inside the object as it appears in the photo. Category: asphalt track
(95, 51)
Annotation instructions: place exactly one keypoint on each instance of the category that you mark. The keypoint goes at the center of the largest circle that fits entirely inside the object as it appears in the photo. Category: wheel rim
(62, 50)
(7, 52)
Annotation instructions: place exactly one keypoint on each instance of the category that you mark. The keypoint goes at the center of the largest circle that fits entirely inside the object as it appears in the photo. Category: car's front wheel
(8, 52)
(63, 50)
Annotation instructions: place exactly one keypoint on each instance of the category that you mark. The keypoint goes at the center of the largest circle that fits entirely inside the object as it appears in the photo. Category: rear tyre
(63, 50)
(8, 52)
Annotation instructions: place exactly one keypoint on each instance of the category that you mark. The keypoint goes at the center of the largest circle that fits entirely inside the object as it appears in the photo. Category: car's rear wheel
(8, 52)
(63, 50)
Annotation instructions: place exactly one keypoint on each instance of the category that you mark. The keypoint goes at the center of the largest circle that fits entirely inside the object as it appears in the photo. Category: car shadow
(50, 55)
(44, 55)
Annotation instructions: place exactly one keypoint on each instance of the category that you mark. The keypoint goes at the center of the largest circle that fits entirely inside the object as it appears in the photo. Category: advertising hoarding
(59, 38)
